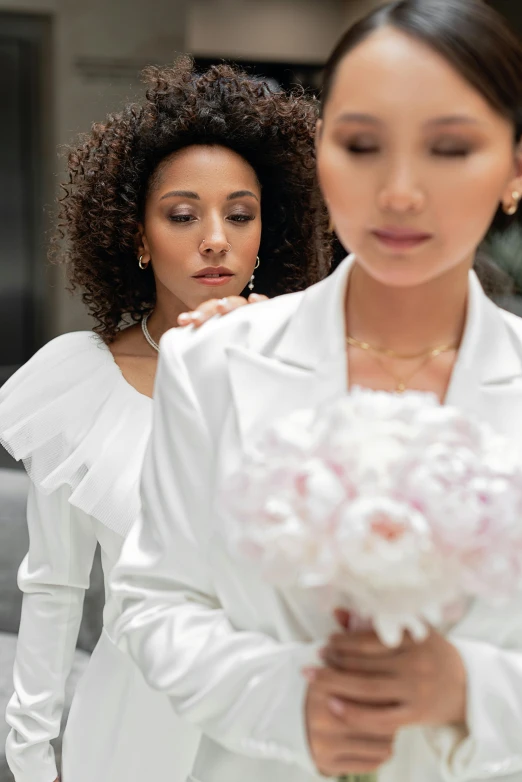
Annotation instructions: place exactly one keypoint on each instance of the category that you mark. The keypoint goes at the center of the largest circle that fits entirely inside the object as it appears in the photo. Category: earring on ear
(331, 226)
(512, 209)
(251, 283)
(142, 265)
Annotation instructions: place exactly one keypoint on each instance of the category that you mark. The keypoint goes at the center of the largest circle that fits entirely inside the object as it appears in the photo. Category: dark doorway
(23, 150)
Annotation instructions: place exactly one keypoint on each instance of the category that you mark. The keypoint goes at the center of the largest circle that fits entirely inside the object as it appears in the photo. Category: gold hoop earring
(512, 209)
(141, 265)
(331, 226)
(251, 283)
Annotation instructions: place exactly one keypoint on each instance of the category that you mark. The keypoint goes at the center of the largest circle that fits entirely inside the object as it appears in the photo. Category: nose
(214, 241)
(401, 192)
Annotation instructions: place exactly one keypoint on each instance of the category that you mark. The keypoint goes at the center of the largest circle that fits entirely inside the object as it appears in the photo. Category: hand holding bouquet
(398, 508)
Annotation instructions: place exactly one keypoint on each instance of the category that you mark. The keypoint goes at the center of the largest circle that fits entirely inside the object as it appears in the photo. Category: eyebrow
(358, 117)
(181, 194)
(452, 119)
(195, 197)
(369, 119)
(241, 194)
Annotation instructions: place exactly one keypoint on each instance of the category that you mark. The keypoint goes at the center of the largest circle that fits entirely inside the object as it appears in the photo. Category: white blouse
(81, 431)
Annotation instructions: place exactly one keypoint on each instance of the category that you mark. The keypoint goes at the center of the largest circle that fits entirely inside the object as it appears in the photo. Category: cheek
(337, 181)
(245, 246)
(464, 203)
(350, 196)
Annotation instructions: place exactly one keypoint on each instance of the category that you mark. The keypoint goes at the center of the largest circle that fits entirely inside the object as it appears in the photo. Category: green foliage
(505, 251)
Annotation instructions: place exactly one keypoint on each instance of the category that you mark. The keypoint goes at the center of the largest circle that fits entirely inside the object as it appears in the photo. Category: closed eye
(182, 218)
(241, 218)
(452, 152)
(362, 149)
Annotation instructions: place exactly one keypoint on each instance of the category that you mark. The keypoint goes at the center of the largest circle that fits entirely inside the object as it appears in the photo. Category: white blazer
(225, 646)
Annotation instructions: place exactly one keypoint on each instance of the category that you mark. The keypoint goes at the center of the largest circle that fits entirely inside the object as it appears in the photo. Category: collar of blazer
(306, 364)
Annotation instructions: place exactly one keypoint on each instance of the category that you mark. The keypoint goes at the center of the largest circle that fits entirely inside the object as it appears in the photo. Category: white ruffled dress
(81, 431)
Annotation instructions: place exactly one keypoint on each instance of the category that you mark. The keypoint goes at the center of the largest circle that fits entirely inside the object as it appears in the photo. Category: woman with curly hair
(207, 186)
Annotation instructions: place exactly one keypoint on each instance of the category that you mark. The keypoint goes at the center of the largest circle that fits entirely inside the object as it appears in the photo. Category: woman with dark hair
(206, 187)
(418, 154)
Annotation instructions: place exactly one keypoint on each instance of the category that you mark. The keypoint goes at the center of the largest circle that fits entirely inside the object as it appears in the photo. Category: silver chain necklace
(146, 334)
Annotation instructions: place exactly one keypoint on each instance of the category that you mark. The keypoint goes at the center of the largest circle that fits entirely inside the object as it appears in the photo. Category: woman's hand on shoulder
(213, 307)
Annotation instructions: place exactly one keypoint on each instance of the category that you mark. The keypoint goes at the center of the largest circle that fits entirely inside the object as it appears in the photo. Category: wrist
(457, 715)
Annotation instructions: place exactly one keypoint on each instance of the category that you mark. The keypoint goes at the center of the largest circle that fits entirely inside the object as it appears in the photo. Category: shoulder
(65, 369)
(68, 350)
(514, 323)
(256, 326)
(73, 420)
(193, 365)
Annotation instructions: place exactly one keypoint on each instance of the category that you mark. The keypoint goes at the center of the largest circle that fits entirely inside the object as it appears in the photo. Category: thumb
(343, 618)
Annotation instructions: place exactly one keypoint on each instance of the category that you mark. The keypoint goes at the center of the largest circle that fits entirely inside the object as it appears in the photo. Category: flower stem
(359, 778)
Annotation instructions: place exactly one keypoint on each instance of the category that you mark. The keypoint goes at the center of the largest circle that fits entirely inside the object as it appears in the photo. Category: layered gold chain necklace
(401, 383)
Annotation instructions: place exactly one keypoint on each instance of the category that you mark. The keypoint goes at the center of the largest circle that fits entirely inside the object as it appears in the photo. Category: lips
(214, 275)
(401, 238)
(214, 271)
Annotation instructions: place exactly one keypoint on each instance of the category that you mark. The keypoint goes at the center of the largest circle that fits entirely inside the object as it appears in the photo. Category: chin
(400, 270)
(398, 279)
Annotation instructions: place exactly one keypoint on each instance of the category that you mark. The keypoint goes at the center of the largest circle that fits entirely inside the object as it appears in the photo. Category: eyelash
(237, 218)
(452, 153)
(181, 218)
(354, 150)
(241, 218)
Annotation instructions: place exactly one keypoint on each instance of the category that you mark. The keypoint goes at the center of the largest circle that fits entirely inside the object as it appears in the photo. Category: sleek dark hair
(112, 170)
(470, 35)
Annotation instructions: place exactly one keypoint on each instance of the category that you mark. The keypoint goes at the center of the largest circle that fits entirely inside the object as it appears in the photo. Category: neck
(165, 314)
(407, 320)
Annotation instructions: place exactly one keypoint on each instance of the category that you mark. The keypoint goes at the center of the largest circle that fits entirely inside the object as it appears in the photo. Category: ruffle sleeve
(73, 419)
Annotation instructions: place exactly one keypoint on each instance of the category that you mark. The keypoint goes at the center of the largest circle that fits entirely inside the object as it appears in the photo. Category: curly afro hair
(110, 173)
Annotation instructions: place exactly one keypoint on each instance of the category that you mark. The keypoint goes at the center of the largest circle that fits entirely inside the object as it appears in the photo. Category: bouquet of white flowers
(396, 507)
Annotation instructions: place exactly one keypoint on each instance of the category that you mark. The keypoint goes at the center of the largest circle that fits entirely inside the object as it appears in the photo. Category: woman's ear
(142, 245)
(513, 192)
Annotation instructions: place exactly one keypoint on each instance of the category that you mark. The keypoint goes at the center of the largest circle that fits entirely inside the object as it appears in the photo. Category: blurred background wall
(65, 63)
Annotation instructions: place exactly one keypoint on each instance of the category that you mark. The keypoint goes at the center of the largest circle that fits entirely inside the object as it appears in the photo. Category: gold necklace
(431, 352)
(401, 383)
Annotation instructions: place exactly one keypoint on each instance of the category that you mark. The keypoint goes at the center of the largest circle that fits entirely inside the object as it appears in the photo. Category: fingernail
(185, 317)
(310, 674)
(223, 305)
(254, 297)
(197, 315)
(336, 706)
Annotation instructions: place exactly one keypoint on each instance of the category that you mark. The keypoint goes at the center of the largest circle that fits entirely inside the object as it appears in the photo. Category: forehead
(391, 73)
(202, 167)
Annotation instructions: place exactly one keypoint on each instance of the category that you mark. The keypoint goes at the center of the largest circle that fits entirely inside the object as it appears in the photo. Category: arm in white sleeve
(243, 689)
(53, 577)
(491, 744)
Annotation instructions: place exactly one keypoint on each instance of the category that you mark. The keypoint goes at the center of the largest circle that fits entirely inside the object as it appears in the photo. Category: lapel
(487, 377)
(306, 366)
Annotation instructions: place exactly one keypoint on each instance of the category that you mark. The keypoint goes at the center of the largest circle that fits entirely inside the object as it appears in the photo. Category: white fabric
(228, 648)
(81, 430)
